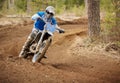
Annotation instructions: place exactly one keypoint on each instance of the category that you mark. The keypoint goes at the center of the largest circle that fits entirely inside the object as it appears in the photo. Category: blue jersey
(39, 24)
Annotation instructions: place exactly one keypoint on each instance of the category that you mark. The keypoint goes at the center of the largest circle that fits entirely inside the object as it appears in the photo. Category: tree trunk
(28, 6)
(94, 18)
(86, 6)
(10, 4)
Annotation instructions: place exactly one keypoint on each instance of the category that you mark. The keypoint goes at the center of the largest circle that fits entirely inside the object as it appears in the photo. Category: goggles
(50, 13)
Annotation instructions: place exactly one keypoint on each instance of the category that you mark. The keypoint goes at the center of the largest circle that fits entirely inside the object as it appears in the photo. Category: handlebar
(59, 29)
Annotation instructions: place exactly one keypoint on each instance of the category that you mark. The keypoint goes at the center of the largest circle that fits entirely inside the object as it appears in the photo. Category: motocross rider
(48, 16)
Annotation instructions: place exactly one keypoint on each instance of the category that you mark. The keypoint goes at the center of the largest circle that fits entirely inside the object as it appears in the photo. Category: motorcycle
(41, 43)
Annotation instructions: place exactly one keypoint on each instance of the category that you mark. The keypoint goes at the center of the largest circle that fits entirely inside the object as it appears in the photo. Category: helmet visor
(50, 13)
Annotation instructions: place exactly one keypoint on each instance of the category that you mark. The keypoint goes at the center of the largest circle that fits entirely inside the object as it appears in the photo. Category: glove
(61, 31)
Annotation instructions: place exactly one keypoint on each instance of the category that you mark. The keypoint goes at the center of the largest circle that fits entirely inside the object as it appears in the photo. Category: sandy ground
(69, 60)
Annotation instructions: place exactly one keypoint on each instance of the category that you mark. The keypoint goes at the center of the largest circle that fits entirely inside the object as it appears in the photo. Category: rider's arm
(59, 29)
(35, 17)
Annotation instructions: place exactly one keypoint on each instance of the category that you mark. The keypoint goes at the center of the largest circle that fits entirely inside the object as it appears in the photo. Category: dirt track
(68, 60)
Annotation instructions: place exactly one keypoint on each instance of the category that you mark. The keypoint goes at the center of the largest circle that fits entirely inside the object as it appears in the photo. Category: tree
(115, 30)
(28, 6)
(116, 3)
(86, 6)
(10, 4)
(94, 18)
(21, 5)
(1, 3)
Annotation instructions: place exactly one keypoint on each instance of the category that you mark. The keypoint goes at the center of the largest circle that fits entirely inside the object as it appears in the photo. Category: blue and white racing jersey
(39, 24)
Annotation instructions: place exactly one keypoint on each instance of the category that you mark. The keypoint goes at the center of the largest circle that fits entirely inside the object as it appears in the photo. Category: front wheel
(43, 48)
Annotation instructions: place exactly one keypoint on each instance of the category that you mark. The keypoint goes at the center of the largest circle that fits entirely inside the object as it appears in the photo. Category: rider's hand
(61, 31)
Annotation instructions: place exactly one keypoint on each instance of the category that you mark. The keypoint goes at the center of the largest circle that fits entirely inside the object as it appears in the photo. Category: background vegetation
(29, 7)
(32, 6)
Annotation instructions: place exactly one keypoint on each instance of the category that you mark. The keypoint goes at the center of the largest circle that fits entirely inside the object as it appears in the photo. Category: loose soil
(69, 59)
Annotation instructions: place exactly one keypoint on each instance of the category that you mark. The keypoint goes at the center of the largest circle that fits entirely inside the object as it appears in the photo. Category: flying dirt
(69, 59)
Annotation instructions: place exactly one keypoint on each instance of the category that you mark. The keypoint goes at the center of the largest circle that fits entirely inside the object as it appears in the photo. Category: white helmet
(50, 10)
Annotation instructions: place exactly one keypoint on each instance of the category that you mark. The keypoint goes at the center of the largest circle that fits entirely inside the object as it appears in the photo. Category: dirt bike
(41, 43)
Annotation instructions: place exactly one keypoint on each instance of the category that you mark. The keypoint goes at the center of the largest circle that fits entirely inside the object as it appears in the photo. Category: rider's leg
(28, 42)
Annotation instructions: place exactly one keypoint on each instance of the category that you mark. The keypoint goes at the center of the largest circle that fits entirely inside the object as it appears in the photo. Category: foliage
(1, 3)
(78, 11)
(37, 5)
(71, 3)
(21, 5)
(111, 33)
(106, 5)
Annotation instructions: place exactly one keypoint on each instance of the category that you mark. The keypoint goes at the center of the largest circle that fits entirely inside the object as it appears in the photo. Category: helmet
(50, 10)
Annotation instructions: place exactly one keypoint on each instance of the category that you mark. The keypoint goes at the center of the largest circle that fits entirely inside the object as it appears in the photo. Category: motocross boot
(25, 48)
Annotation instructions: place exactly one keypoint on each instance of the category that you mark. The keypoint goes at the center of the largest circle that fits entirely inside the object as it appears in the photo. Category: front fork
(40, 41)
